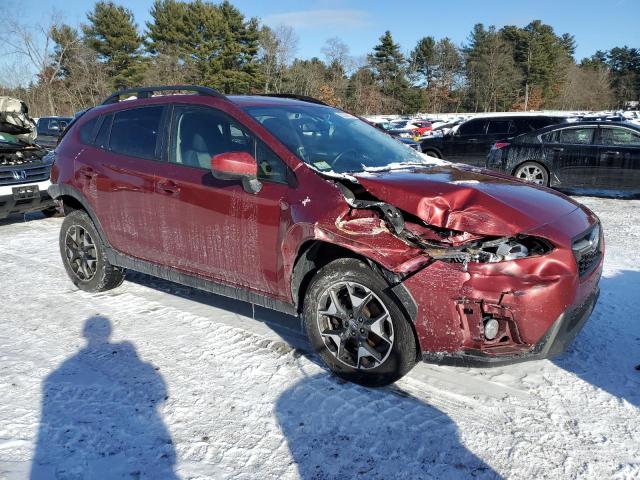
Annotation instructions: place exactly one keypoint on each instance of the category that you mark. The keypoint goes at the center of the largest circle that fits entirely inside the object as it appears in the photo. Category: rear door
(468, 143)
(213, 227)
(117, 176)
(573, 154)
(618, 157)
(497, 129)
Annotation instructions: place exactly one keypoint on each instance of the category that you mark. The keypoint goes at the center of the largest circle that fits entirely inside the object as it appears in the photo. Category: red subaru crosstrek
(388, 255)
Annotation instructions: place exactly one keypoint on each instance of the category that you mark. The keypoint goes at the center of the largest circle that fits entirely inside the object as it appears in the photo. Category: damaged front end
(500, 293)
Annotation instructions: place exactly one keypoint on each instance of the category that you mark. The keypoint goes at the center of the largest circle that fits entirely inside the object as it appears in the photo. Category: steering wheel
(339, 156)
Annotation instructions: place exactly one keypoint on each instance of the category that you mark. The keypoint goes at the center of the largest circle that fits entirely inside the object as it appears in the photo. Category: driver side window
(201, 133)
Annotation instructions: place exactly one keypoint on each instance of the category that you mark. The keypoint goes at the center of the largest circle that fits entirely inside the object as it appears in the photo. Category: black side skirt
(167, 273)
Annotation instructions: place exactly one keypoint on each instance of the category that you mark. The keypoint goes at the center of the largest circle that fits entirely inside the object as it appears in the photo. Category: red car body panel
(467, 200)
(184, 219)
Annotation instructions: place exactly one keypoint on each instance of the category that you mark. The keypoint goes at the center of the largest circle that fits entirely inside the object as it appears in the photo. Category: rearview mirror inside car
(237, 166)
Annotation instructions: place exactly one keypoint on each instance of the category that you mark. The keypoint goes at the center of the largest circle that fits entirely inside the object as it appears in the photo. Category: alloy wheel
(81, 253)
(532, 173)
(355, 325)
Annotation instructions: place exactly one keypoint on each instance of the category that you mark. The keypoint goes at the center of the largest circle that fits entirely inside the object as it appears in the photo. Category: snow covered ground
(154, 380)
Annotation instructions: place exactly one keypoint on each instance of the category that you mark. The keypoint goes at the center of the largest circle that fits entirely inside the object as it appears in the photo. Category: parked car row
(594, 155)
(555, 151)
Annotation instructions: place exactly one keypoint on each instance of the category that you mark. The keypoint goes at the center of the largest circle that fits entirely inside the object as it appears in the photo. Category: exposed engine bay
(442, 243)
(16, 155)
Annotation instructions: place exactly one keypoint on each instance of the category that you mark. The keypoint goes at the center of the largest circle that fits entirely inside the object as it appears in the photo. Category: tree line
(215, 44)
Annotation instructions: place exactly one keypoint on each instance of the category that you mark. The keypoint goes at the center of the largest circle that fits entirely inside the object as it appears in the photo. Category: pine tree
(112, 33)
(389, 66)
(216, 41)
(167, 33)
(492, 76)
(423, 59)
(541, 56)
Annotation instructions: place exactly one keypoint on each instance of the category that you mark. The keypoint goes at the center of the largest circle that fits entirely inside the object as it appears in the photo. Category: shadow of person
(607, 350)
(99, 415)
(342, 430)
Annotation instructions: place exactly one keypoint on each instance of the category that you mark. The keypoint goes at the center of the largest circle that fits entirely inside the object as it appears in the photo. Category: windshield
(332, 140)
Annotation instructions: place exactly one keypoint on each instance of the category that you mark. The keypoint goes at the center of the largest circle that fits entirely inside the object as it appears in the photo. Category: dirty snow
(154, 380)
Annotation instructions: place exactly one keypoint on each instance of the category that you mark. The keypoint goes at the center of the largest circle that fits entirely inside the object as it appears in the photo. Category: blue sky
(595, 24)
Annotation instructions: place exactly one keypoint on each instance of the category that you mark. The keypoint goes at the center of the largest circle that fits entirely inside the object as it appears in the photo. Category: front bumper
(9, 204)
(530, 298)
(556, 340)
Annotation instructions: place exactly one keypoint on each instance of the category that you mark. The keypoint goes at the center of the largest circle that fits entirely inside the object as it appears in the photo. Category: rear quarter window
(87, 131)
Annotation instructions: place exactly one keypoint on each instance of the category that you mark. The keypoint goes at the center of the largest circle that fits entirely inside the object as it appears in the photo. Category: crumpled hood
(468, 199)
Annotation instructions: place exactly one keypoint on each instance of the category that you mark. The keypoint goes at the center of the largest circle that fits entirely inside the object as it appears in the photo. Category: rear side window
(620, 137)
(498, 127)
(473, 127)
(88, 131)
(576, 136)
(135, 132)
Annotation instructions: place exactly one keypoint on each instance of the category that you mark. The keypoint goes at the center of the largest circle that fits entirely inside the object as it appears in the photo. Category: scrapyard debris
(15, 120)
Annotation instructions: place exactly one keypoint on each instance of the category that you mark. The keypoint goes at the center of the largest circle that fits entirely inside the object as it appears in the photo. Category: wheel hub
(81, 253)
(531, 173)
(355, 325)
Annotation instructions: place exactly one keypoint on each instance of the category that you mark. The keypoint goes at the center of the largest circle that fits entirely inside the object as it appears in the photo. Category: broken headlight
(493, 250)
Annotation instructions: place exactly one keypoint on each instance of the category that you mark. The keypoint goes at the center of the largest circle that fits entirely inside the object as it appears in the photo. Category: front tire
(84, 255)
(432, 153)
(355, 327)
(532, 172)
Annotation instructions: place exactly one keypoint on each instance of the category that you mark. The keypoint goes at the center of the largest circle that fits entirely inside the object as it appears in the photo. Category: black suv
(471, 141)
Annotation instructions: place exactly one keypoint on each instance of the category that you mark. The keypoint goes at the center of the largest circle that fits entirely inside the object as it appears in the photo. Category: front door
(467, 143)
(214, 227)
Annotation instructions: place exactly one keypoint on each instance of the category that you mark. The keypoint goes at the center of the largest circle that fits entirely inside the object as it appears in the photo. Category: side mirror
(237, 166)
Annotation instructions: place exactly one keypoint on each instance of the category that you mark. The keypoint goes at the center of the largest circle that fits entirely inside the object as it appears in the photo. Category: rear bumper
(9, 204)
(556, 340)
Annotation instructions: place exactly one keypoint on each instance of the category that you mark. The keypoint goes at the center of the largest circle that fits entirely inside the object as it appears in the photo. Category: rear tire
(355, 327)
(84, 255)
(432, 153)
(532, 172)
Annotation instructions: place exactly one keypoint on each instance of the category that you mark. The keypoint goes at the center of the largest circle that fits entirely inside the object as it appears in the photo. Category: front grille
(587, 249)
(26, 173)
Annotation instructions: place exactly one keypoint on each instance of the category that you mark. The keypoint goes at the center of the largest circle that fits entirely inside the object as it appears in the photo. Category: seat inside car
(199, 139)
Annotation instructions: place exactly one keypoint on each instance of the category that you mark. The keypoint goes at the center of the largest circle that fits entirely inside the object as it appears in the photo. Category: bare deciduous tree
(35, 45)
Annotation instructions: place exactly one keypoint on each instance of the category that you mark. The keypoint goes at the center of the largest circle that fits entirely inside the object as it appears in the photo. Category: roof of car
(607, 123)
(493, 116)
(250, 100)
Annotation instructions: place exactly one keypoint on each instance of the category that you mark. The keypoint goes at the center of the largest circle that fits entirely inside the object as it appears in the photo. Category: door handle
(611, 152)
(472, 140)
(167, 187)
(558, 149)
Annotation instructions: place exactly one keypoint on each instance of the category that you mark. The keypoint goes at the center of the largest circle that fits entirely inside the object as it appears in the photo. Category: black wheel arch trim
(62, 190)
(305, 264)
